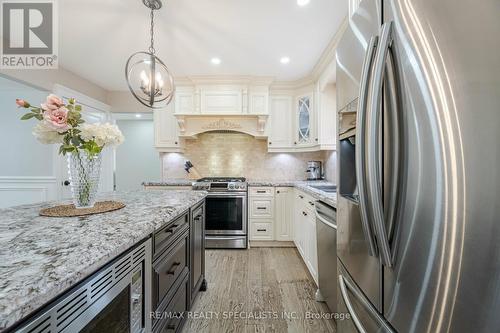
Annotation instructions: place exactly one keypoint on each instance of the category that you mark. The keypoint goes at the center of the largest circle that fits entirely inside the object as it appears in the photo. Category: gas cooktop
(221, 184)
(222, 180)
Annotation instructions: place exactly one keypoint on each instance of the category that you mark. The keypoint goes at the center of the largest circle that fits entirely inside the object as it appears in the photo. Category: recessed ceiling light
(302, 3)
(138, 115)
(215, 61)
(285, 60)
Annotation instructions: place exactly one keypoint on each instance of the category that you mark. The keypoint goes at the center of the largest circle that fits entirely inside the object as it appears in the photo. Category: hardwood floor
(272, 283)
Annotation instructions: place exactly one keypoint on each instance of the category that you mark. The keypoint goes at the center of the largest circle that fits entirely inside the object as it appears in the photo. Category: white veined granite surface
(304, 185)
(41, 257)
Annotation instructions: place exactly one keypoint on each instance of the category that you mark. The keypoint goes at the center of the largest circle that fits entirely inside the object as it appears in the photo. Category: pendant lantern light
(147, 76)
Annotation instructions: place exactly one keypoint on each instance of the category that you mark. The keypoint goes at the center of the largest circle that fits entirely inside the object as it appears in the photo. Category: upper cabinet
(223, 100)
(213, 96)
(166, 130)
(184, 101)
(280, 124)
(305, 121)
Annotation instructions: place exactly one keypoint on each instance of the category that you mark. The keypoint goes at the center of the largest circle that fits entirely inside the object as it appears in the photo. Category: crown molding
(223, 79)
(328, 54)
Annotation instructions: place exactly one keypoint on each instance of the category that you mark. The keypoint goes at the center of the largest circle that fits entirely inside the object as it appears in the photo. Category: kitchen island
(42, 257)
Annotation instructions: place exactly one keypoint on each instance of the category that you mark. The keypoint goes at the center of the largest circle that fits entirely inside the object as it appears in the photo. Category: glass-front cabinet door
(304, 120)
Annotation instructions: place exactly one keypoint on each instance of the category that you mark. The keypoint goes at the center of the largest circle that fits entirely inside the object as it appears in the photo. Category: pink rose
(57, 119)
(52, 103)
(22, 103)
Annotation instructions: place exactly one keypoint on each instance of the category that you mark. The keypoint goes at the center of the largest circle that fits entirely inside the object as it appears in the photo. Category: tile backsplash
(238, 154)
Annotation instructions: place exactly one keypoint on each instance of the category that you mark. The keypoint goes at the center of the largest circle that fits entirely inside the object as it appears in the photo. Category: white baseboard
(26, 190)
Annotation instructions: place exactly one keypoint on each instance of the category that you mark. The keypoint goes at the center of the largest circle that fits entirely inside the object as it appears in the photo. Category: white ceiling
(249, 36)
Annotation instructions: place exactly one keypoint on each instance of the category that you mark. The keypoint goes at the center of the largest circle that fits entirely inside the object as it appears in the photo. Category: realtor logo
(29, 36)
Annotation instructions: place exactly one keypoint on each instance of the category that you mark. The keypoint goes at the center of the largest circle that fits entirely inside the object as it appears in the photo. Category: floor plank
(257, 290)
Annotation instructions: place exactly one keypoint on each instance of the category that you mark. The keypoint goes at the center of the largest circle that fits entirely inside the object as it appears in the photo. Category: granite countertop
(170, 182)
(329, 198)
(304, 185)
(41, 257)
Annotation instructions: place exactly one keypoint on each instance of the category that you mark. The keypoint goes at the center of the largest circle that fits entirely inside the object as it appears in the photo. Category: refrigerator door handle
(374, 178)
(344, 284)
(345, 297)
(360, 144)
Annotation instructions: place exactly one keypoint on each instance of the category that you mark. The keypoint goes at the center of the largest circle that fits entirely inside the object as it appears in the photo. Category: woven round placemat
(71, 211)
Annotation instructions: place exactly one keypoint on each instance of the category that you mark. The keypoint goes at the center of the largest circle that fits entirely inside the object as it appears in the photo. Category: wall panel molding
(16, 190)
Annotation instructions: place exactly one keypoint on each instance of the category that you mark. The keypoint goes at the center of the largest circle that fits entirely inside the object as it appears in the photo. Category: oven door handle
(227, 194)
(223, 237)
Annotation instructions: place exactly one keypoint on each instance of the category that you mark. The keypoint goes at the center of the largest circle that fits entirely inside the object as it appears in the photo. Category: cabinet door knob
(270, 143)
(66, 182)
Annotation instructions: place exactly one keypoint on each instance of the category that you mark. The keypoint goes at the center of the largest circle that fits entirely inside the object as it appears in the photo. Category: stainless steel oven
(114, 299)
(226, 224)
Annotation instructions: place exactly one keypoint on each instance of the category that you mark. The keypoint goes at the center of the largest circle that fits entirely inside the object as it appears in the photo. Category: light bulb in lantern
(144, 81)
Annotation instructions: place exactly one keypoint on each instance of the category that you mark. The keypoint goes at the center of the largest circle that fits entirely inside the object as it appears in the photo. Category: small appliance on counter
(314, 170)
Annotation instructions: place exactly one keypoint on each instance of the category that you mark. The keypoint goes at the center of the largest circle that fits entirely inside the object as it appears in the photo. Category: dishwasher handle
(325, 221)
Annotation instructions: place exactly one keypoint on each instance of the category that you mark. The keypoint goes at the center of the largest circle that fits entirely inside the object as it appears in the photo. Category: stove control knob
(231, 186)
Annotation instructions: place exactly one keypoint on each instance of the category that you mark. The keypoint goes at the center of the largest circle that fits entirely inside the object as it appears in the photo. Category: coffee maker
(314, 170)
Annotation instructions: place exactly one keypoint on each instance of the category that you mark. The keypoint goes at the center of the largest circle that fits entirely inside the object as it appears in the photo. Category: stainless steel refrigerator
(418, 95)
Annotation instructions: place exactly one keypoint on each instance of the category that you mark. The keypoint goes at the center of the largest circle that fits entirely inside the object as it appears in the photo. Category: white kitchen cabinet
(311, 251)
(167, 130)
(222, 100)
(261, 230)
(258, 100)
(284, 216)
(326, 103)
(184, 100)
(305, 231)
(280, 123)
(299, 226)
(261, 207)
(305, 121)
(261, 213)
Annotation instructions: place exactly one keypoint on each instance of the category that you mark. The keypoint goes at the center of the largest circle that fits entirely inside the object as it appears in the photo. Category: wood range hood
(190, 125)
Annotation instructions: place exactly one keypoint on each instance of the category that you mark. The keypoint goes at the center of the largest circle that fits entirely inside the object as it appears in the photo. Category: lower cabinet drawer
(165, 236)
(261, 207)
(261, 230)
(168, 268)
(174, 316)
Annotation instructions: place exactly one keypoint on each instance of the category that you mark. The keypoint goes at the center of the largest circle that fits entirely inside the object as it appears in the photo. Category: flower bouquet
(60, 123)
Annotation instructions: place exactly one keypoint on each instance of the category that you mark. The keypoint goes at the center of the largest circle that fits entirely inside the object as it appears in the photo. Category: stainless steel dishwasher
(326, 232)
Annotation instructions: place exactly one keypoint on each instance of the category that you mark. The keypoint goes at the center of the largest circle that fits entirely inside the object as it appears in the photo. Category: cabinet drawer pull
(171, 229)
(304, 213)
(261, 191)
(173, 268)
(261, 229)
(301, 196)
(197, 218)
(311, 203)
(261, 208)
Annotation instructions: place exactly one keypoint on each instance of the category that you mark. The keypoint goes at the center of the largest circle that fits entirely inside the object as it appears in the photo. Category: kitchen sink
(325, 188)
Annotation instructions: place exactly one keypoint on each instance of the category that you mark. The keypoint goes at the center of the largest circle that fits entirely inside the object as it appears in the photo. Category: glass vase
(84, 170)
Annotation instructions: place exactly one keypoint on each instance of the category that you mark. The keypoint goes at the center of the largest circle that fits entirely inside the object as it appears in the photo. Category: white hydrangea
(103, 134)
(46, 134)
